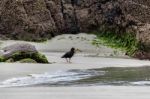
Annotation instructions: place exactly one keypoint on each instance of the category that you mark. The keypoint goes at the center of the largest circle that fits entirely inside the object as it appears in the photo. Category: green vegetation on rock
(27, 60)
(10, 60)
(26, 57)
(126, 42)
(1, 59)
(39, 58)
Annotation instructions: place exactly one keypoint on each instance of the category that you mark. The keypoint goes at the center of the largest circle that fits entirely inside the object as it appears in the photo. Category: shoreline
(9, 70)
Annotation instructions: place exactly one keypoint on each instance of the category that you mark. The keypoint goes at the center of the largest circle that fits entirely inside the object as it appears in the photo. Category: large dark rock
(41, 19)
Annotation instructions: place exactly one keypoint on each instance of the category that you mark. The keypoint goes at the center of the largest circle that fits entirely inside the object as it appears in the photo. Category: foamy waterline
(68, 78)
(51, 78)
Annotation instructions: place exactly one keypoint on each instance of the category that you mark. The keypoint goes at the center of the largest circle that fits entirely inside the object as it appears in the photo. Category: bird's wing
(65, 55)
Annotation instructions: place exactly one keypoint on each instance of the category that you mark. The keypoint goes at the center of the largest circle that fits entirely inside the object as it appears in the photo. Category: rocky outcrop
(22, 52)
(41, 19)
(26, 19)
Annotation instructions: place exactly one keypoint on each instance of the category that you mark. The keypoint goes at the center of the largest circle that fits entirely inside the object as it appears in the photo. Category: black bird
(69, 55)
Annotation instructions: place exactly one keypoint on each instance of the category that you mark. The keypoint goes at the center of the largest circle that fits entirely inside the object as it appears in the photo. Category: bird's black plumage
(69, 54)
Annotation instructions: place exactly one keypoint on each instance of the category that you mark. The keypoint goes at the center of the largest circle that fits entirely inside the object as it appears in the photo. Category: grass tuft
(126, 42)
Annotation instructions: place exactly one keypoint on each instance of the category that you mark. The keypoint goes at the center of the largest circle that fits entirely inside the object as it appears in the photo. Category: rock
(10, 60)
(1, 59)
(18, 48)
(37, 20)
(1, 52)
(21, 51)
(39, 58)
(27, 60)
(29, 17)
(142, 55)
(143, 34)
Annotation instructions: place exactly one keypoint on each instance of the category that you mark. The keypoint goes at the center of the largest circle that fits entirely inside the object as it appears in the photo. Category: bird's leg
(67, 60)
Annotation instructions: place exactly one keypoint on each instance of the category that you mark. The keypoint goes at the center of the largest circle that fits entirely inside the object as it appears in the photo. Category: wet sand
(103, 92)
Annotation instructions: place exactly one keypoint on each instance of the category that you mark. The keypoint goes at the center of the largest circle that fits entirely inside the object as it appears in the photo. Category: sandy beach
(91, 57)
(104, 92)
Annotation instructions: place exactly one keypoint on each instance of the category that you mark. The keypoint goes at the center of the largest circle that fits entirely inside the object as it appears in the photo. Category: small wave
(140, 83)
(51, 78)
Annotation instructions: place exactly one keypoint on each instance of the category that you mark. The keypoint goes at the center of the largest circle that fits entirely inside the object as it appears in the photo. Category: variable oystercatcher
(69, 55)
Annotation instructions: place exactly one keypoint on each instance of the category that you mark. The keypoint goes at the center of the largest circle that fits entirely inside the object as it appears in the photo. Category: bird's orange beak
(78, 50)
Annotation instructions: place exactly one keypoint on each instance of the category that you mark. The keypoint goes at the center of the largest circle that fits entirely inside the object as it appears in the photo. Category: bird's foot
(69, 62)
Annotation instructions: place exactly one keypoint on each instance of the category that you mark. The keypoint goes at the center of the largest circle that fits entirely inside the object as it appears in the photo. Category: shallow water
(86, 77)
(58, 78)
